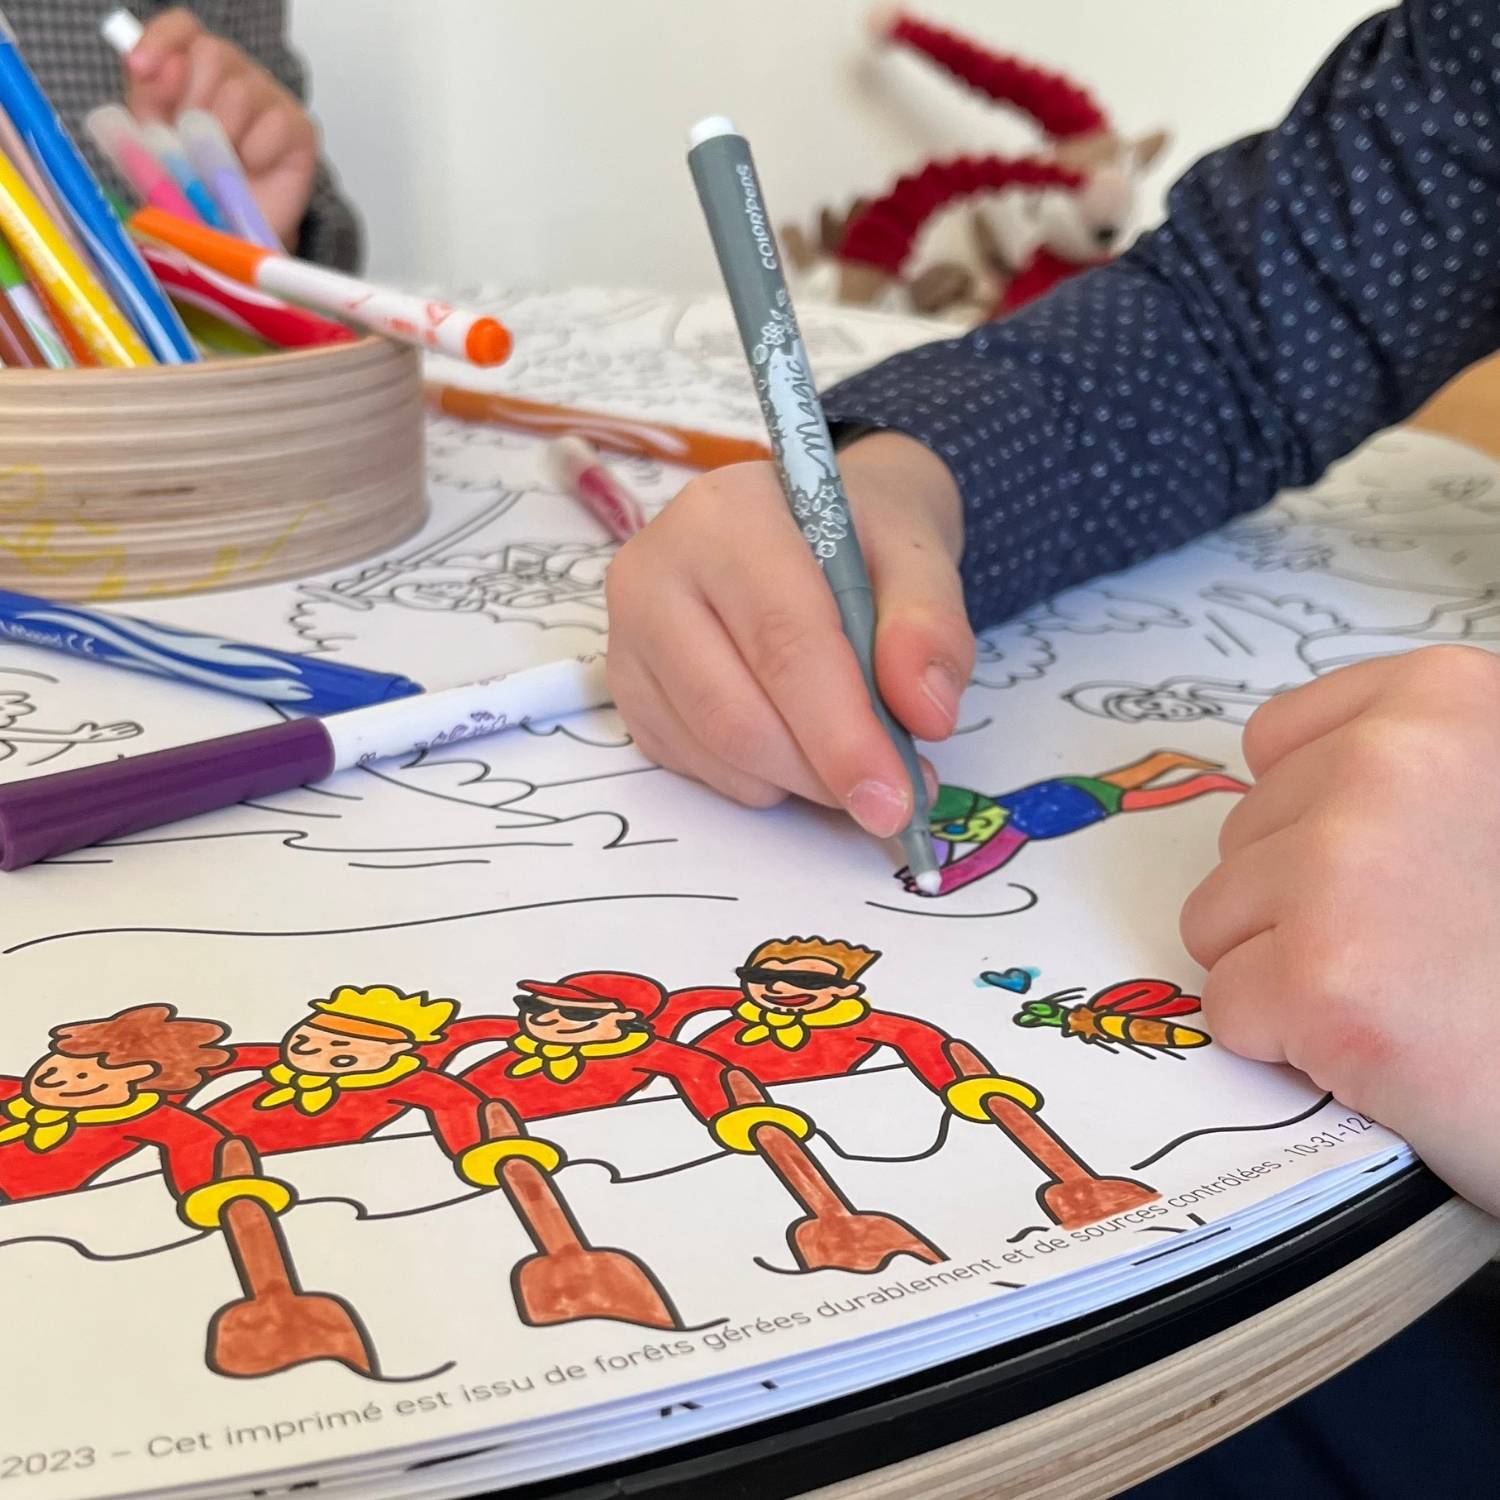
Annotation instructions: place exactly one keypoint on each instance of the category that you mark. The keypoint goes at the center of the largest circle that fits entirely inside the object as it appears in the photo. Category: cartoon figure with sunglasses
(591, 1040)
(584, 1042)
(800, 1012)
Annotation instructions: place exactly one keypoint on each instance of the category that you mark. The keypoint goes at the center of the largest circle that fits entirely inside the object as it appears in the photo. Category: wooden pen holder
(185, 478)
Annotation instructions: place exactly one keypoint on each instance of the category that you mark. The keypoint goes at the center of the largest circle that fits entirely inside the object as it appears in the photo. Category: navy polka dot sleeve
(1310, 286)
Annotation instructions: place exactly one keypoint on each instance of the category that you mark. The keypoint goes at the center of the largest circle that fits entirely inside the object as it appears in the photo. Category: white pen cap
(122, 31)
(706, 129)
(568, 457)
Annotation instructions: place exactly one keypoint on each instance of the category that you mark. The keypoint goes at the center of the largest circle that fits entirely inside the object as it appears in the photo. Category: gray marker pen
(751, 265)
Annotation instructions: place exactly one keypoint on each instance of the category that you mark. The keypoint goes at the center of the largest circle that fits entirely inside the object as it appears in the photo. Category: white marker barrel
(431, 720)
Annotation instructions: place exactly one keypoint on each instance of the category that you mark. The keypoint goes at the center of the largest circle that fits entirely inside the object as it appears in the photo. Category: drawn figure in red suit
(590, 1040)
(581, 1043)
(584, 1042)
(357, 1062)
(800, 1012)
(105, 1090)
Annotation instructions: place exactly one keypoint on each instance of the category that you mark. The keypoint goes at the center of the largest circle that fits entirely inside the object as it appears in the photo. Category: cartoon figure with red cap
(103, 1092)
(359, 1060)
(586, 1041)
(800, 1012)
(589, 1040)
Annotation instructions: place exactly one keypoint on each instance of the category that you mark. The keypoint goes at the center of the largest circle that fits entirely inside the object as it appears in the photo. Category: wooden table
(1123, 1432)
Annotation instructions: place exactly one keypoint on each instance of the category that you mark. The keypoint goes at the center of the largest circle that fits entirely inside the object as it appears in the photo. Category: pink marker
(117, 135)
(575, 464)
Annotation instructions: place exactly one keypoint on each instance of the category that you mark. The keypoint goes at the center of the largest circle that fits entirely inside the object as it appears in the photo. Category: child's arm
(1311, 285)
(230, 57)
(682, 1005)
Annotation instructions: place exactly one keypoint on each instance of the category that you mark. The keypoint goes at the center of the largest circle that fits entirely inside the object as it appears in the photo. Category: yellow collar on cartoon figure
(789, 1028)
(561, 1061)
(42, 1126)
(312, 1093)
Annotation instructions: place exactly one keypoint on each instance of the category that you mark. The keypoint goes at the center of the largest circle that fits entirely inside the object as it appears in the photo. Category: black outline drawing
(1173, 700)
(1326, 639)
(16, 704)
(1025, 650)
(1193, 1135)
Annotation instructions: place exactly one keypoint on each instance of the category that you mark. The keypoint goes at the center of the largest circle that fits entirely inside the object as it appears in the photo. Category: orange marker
(397, 315)
(642, 439)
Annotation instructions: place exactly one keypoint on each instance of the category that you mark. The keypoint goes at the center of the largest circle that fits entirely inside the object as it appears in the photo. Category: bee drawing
(1135, 1014)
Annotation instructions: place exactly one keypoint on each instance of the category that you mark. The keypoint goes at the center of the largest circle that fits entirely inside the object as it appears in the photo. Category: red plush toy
(1084, 181)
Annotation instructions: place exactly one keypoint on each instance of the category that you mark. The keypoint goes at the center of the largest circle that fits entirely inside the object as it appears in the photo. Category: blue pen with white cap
(306, 684)
(141, 299)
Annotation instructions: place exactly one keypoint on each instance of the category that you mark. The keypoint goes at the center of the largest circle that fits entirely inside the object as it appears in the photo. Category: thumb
(159, 95)
(924, 648)
(156, 71)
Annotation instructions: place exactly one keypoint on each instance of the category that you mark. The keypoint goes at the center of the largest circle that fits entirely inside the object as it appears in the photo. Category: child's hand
(177, 65)
(725, 653)
(1353, 927)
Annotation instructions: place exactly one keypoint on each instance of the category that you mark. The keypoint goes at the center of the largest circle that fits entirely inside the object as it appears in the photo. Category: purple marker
(210, 152)
(50, 815)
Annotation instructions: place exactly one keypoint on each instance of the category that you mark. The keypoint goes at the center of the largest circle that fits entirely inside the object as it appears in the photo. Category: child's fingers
(1239, 898)
(1282, 795)
(660, 735)
(798, 654)
(1239, 999)
(924, 649)
(278, 134)
(221, 80)
(1307, 713)
(159, 98)
(235, 104)
(703, 677)
(768, 591)
(164, 37)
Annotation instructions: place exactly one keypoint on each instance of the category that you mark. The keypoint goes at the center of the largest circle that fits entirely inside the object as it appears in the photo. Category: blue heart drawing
(1018, 981)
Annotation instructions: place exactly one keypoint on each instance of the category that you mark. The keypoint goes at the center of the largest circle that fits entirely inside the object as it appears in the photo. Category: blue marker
(168, 150)
(132, 285)
(304, 683)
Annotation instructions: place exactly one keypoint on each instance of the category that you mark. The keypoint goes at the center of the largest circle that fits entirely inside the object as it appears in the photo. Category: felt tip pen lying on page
(50, 815)
(307, 684)
(575, 464)
(740, 226)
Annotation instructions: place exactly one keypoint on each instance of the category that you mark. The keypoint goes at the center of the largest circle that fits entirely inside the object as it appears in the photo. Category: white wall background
(540, 142)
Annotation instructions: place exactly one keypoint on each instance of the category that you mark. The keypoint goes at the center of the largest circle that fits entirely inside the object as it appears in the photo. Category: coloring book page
(504, 1084)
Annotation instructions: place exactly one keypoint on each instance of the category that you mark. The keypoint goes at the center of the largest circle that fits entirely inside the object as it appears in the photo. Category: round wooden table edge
(1103, 1441)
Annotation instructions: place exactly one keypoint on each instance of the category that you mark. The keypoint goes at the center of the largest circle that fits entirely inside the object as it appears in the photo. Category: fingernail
(880, 809)
(941, 685)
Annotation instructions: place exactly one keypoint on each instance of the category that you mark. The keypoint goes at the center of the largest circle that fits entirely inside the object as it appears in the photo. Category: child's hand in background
(725, 653)
(177, 65)
(1353, 927)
